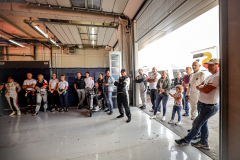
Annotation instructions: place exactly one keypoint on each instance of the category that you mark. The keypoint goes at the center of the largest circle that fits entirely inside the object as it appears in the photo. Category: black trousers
(31, 99)
(54, 99)
(96, 98)
(122, 100)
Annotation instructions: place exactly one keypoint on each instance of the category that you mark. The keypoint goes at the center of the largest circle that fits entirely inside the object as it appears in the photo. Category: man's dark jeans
(200, 123)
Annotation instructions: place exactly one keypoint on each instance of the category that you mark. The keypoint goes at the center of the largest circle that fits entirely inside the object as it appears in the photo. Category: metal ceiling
(85, 35)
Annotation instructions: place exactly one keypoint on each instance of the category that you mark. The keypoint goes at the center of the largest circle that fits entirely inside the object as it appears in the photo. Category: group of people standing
(37, 91)
(200, 90)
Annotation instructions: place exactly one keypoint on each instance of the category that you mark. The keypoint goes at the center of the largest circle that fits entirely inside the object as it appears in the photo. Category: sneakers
(192, 118)
(200, 145)
(96, 108)
(163, 118)
(151, 110)
(61, 110)
(53, 110)
(18, 113)
(120, 116)
(36, 113)
(170, 122)
(106, 110)
(185, 114)
(158, 112)
(178, 123)
(29, 111)
(182, 142)
(80, 106)
(110, 112)
(153, 117)
(128, 120)
(66, 110)
(13, 113)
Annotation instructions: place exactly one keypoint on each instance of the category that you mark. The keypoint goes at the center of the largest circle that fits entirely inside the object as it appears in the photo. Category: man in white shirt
(29, 85)
(152, 80)
(192, 94)
(89, 83)
(207, 107)
(52, 88)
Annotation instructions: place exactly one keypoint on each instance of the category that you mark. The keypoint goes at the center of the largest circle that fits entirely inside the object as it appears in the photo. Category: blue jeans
(158, 101)
(200, 123)
(186, 103)
(108, 96)
(178, 110)
(63, 98)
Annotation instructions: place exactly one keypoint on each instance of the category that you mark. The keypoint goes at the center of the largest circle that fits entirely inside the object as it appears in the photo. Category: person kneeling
(177, 104)
(97, 96)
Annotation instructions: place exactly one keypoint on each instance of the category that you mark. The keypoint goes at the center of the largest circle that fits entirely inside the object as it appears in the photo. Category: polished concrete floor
(74, 135)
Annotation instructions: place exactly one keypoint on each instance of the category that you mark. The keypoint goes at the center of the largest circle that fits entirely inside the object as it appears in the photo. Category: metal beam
(65, 23)
(24, 10)
(14, 25)
(224, 84)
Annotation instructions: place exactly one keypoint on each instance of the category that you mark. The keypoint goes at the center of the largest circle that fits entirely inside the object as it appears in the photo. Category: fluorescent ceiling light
(45, 35)
(92, 30)
(16, 43)
(92, 42)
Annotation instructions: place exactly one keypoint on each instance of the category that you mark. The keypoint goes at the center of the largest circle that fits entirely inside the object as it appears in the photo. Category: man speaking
(122, 95)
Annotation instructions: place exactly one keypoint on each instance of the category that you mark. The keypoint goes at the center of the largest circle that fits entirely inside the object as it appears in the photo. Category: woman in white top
(63, 93)
(89, 83)
(41, 94)
(52, 88)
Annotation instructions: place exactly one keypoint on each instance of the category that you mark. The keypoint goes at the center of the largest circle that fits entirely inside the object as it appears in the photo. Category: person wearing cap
(141, 80)
(1, 98)
(108, 83)
(122, 95)
(12, 89)
(196, 78)
(207, 107)
(29, 86)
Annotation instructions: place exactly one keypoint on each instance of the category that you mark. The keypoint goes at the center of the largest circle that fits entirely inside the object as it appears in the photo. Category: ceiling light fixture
(43, 33)
(16, 43)
(12, 41)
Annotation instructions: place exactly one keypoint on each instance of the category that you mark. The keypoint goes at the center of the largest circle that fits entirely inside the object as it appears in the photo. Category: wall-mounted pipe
(16, 55)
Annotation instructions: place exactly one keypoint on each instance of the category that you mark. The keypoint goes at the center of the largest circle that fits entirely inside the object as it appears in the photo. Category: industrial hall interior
(119, 79)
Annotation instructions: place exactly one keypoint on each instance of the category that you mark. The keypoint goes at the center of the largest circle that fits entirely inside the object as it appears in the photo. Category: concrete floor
(74, 135)
(213, 125)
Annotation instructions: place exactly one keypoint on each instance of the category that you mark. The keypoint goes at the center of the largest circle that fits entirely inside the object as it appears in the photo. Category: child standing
(177, 104)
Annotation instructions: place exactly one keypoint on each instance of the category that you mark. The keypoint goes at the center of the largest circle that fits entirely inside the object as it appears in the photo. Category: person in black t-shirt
(79, 86)
(100, 82)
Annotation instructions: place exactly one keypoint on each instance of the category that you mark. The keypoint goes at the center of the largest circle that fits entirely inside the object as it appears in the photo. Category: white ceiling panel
(42, 1)
(64, 3)
(55, 32)
(132, 8)
(107, 5)
(119, 6)
(68, 34)
(75, 34)
(108, 35)
(52, 2)
(101, 34)
(62, 33)
(113, 39)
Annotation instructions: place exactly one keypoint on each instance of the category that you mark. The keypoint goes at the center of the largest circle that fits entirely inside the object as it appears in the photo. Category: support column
(230, 76)
(1, 53)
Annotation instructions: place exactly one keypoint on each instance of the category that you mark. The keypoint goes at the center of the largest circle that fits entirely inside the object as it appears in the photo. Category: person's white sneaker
(96, 108)
(153, 117)
(151, 110)
(18, 113)
(163, 118)
(158, 112)
(170, 122)
(178, 123)
(13, 113)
